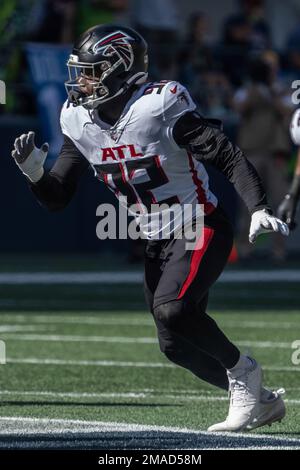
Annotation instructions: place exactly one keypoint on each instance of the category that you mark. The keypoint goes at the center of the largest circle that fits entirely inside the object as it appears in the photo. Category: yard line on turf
(76, 395)
(81, 277)
(84, 320)
(175, 396)
(80, 338)
(52, 319)
(139, 392)
(129, 340)
(259, 324)
(14, 328)
(104, 427)
(63, 362)
(136, 277)
(282, 369)
(263, 344)
(50, 361)
(114, 395)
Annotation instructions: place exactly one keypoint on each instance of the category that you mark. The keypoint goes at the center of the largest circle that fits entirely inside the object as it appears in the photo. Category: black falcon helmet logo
(116, 43)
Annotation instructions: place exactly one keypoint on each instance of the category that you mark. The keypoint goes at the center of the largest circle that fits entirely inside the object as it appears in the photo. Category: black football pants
(176, 285)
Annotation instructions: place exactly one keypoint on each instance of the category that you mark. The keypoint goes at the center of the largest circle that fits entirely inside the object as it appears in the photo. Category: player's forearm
(288, 207)
(245, 179)
(230, 160)
(207, 143)
(56, 188)
(294, 190)
(52, 193)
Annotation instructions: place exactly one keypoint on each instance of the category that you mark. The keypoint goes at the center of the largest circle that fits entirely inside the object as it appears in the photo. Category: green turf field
(84, 368)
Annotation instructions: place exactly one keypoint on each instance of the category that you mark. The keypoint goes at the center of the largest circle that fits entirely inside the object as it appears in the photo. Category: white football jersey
(138, 159)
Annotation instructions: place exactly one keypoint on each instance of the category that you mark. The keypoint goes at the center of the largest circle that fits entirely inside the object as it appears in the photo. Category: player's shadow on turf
(62, 403)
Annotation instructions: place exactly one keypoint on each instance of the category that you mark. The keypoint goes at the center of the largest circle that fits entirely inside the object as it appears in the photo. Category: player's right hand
(29, 158)
(263, 222)
(287, 211)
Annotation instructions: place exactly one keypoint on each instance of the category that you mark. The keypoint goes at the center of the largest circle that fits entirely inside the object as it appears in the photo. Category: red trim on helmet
(111, 38)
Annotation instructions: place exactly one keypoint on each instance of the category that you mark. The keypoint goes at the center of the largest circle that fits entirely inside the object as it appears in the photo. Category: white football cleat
(245, 390)
(271, 409)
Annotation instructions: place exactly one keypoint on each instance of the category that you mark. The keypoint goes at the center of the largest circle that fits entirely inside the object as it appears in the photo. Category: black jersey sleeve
(56, 188)
(206, 141)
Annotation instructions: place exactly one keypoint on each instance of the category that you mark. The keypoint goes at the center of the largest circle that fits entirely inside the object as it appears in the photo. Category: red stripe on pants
(199, 252)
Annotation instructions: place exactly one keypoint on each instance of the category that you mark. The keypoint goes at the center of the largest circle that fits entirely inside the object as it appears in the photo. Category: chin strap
(75, 98)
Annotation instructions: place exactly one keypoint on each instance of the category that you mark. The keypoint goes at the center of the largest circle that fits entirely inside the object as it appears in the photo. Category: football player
(288, 207)
(147, 142)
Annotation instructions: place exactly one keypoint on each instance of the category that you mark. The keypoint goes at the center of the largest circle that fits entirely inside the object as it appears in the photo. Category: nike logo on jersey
(119, 153)
(173, 90)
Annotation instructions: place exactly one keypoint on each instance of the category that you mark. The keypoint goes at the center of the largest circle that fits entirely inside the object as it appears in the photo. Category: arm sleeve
(56, 188)
(207, 143)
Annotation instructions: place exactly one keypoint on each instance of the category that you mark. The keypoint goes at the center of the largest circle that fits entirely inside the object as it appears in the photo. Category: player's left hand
(262, 222)
(287, 211)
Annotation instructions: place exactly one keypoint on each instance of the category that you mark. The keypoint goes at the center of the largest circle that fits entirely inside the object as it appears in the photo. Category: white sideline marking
(104, 427)
(81, 277)
(141, 394)
(123, 321)
(259, 324)
(77, 395)
(63, 362)
(13, 328)
(282, 368)
(263, 344)
(128, 340)
(81, 338)
(136, 277)
(84, 320)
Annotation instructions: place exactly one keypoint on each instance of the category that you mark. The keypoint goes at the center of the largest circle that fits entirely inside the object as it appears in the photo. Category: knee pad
(170, 314)
(168, 346)
(174, 353)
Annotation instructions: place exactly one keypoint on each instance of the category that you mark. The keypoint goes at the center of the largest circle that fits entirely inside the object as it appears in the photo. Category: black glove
(287, 209)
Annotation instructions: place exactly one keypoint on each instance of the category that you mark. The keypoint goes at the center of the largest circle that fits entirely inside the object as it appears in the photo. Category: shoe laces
(238, 390)
(280, 391)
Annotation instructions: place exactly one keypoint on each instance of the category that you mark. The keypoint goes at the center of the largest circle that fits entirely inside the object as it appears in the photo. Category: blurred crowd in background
(239, 77)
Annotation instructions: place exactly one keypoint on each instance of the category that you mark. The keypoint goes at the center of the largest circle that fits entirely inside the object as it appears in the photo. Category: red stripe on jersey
(202, 199)
(105, 178)
(131, 173)
(122, 173)
(198, 253)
